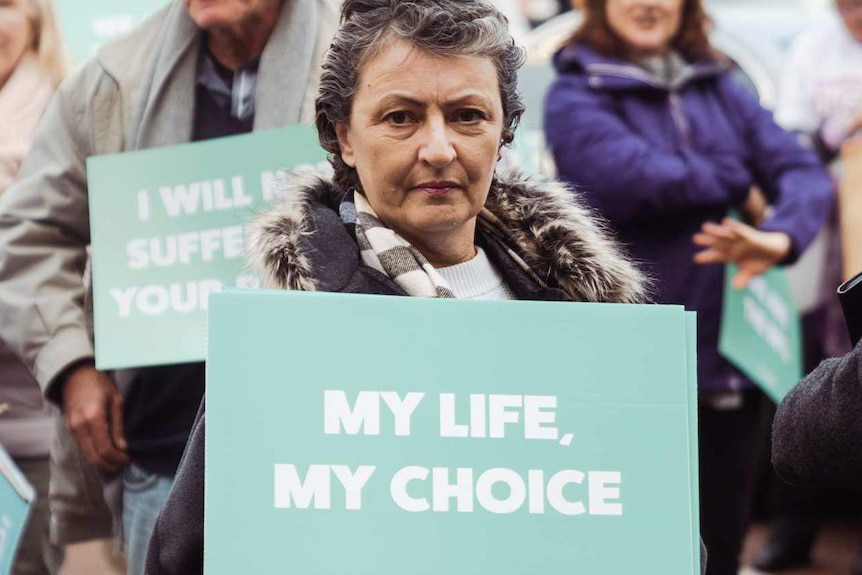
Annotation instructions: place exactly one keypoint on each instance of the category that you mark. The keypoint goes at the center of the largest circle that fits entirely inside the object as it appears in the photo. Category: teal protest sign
(382, 435)
(86, 24)
(167, 229)
(691, 353)
(16, 497)
(760, 332)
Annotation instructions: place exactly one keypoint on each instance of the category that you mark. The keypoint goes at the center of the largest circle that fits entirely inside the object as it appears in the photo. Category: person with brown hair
(647, 120)
(32, 63)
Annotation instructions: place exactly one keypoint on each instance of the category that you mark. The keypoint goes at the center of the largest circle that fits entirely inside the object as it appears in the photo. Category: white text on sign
(419, 489)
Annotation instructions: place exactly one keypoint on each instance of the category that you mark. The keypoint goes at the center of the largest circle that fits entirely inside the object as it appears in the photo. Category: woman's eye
(470, 116)
(398, 118)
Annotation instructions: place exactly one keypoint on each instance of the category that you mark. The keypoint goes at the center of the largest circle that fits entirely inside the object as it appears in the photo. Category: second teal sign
(168, 229)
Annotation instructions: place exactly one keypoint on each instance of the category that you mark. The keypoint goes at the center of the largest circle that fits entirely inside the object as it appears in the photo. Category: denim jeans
(144, 494)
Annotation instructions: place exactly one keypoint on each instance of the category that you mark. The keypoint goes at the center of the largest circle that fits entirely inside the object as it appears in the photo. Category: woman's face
(424, 136)
(645, 26)
(15, 36)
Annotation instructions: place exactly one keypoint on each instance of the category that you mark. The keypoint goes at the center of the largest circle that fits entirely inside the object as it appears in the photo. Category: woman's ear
(342, 132)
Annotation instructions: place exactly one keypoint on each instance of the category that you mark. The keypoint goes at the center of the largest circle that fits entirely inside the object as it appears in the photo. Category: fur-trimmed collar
(562, 241)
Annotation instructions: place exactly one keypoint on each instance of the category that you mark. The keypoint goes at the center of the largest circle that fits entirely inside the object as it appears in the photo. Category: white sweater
(476, 279)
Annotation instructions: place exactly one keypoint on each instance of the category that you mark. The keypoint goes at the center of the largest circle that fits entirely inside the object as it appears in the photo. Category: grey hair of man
(440, 27)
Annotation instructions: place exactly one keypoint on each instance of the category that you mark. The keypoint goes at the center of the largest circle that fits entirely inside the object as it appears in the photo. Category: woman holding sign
(647, 119)
(32, 64)
(416, 102)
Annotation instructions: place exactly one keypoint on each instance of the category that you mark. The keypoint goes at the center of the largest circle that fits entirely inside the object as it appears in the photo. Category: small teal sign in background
(619, 423)
(168, 228)
(760, 332)
(87, 24)
(16, 497)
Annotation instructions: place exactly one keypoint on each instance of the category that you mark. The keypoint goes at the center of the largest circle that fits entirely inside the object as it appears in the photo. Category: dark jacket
(302, 244)
(659, 158)
(817, 433)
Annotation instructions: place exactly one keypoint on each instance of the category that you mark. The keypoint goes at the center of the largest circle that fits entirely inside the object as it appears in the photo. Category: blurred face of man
(851, 13)
(645, 26)
(212, 15)
(16, 36)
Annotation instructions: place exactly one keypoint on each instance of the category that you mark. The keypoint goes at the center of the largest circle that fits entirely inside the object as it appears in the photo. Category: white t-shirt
(821, 88)
(821, 93)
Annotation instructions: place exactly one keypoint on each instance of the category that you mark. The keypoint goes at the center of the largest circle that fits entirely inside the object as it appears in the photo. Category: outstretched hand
(752, 250)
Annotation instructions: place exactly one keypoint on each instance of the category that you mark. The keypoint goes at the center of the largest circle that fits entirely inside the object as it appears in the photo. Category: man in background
(198, 69)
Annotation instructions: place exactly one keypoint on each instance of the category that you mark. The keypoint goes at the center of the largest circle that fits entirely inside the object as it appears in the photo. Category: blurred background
(755, 34)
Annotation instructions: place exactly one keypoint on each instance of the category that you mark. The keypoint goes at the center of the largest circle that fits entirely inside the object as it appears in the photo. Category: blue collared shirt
(232, 89)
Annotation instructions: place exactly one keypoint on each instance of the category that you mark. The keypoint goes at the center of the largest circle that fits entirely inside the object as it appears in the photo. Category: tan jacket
(26, 427)
(138, 92)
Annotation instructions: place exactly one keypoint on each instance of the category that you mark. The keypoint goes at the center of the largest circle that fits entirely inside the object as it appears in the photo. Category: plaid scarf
(381, 248)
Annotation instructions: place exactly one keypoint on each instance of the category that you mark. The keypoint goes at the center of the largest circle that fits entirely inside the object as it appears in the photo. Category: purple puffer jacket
(659, 159)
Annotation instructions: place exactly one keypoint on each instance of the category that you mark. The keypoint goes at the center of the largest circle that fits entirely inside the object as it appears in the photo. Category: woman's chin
(436, 224)
(648, 47)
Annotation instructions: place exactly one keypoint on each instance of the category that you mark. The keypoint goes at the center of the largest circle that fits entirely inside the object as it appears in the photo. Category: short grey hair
(441, 28)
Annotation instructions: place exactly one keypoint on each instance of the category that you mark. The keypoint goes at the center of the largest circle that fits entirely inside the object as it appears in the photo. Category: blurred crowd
(644, 116)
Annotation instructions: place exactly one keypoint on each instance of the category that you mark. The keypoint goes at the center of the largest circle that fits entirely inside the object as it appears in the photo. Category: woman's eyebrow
(468, 98)
(473, 98)
(401, 99)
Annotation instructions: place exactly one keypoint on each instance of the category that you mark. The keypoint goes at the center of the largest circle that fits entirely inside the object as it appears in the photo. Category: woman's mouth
(646, 19)
(436, 189)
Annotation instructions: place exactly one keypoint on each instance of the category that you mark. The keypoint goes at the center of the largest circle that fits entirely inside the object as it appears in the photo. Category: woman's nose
(436, 148)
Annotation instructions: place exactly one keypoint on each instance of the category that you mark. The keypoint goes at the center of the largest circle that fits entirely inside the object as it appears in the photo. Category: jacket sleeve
(44, 233)
(620, 172)
(792, 177)
(818, 428)
(177, 543)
